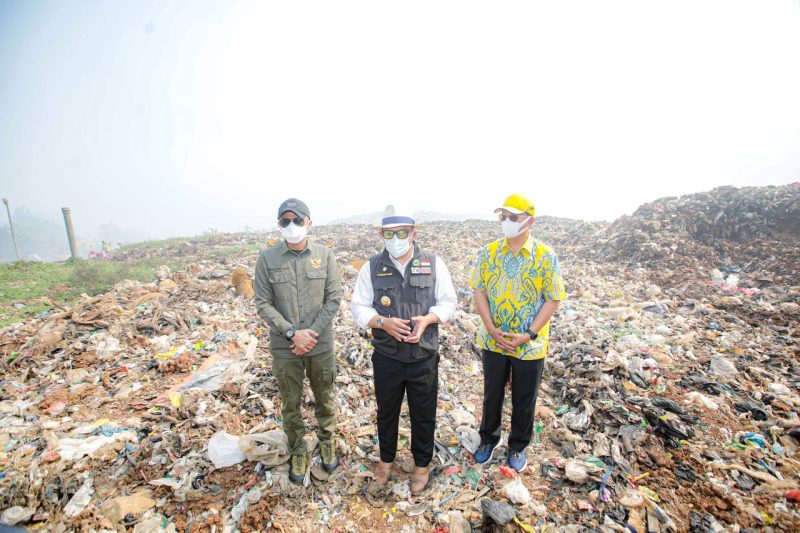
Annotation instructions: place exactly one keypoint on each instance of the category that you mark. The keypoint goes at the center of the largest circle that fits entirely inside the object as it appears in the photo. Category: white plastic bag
(517, 492)
(223, 450)
(470, 438)
(80, 500)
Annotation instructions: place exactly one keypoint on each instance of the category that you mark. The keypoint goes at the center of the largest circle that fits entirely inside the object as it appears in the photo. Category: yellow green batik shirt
(517, 285)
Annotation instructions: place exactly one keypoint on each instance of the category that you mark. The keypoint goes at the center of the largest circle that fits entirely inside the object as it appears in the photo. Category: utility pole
(70, 233)
(11, 225)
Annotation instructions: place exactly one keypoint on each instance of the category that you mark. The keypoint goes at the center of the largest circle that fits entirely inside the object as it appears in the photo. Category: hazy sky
(174, 117)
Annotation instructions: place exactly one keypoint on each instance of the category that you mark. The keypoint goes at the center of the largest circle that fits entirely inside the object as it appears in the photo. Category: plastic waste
(80, 500)
(778, 388)
(469, 438)
(16, 515)
(576, 471)
(224, 450)
(270, 448)
(239, 509)
(401, 490)
(793, 495)
(108, 347)
(152, 522)
(720, 366)
(698, 399)
(517, 492)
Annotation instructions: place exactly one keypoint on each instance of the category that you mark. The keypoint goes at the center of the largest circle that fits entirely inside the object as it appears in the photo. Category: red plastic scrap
(793, 495)
(509, 473)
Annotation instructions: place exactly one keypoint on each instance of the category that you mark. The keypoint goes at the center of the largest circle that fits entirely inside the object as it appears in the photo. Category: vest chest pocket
(386, 289)
(423, 288)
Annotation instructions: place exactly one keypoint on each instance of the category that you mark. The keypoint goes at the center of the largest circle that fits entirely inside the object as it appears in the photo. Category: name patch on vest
(420, 270)
(384, 272)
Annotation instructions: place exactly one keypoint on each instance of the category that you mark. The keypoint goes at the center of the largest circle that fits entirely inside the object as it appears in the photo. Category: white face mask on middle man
(396, 245)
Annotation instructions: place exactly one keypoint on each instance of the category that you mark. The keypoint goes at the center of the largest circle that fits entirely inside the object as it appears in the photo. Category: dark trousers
(420, 380)
(526, 376)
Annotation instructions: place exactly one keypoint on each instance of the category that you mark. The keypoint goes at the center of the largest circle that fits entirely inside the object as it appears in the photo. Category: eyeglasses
(401, 233)
(513, 217)
(284, 222)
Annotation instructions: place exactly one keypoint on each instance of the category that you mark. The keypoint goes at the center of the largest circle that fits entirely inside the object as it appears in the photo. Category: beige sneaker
(297, 468)
(327, 451)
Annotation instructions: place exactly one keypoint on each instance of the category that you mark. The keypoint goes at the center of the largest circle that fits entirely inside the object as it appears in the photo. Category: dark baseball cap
(296, 206)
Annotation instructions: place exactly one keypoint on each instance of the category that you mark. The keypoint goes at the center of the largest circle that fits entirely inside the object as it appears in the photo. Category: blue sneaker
(484, 452)
(517, 460)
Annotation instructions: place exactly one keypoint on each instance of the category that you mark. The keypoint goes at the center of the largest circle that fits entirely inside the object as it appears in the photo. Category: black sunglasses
(401, 233)
(512, 216)
(284, 222)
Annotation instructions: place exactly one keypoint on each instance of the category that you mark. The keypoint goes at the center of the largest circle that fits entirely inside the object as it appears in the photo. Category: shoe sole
(490, 454)
(331, 469)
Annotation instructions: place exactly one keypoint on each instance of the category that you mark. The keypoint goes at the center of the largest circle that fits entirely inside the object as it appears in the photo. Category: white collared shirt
(363, 293)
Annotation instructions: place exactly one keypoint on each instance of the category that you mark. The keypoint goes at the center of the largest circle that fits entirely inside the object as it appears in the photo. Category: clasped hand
(400, 328)
(304, 341)
(508, 342)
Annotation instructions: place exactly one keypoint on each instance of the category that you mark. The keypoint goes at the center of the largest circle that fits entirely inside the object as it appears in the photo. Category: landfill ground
(669, 402)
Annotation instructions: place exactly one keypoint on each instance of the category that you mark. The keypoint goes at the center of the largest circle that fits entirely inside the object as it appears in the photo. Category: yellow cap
(518, 203)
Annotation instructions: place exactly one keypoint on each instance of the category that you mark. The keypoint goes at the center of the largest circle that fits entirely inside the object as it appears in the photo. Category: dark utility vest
(404, 297)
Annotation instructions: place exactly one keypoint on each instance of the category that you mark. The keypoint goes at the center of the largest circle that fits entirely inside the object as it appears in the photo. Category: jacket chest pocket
(423, 288)
(281, 280)
(316, 283)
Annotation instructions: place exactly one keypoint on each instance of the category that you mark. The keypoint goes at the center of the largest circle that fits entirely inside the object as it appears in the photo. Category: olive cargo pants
(290, 373)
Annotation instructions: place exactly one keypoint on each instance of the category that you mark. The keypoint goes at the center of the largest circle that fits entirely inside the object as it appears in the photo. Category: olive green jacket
(300, 291)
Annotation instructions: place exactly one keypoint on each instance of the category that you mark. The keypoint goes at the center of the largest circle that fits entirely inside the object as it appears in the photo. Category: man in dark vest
(402, 294)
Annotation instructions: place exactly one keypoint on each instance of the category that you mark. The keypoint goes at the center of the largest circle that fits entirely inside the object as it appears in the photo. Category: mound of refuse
(751, 228)
(664, 406)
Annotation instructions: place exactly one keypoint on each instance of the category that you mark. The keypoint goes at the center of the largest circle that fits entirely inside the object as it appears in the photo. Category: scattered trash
(669, 400)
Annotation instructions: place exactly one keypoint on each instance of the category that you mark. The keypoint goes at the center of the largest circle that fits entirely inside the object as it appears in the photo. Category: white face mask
(294, 233)
(397, 247)
(512, 229)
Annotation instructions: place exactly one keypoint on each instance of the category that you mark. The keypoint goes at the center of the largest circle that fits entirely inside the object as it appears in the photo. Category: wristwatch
(379, 323)
(290, 334)
(533, 335)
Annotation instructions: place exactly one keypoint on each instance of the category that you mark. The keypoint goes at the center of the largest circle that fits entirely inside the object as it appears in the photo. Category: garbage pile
(667, 404)
(754, 229)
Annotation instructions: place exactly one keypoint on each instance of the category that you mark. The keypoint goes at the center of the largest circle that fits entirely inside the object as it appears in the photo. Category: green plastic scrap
(597, 462)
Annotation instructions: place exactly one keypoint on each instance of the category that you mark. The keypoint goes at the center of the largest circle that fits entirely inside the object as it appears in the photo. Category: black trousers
(526, 376)
(420, 380)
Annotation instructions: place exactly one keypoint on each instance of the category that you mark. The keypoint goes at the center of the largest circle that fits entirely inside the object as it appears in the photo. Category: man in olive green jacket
(298, 292)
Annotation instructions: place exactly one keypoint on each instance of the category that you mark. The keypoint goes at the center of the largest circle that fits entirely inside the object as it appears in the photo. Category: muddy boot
(380, 477)
(419, 479)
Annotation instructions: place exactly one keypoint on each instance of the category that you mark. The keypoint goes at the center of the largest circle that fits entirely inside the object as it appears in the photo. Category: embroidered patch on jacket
(421, 270)
(316, 262)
